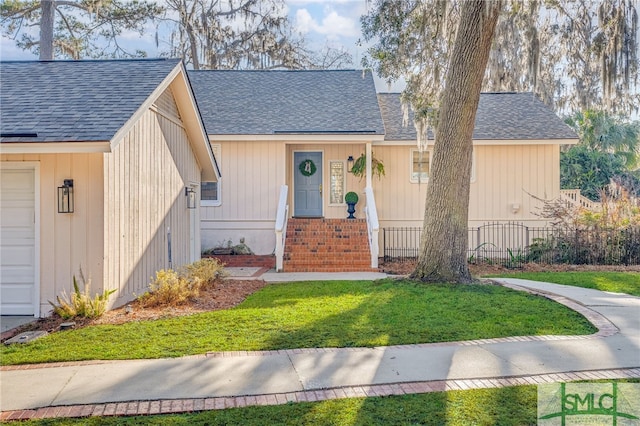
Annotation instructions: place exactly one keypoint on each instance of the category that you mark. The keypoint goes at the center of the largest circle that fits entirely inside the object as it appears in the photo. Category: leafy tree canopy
(602, 131)
(588, 170)
(75, 29)
(242, 34)
(608, 152)
(574, 54)
(207, 34)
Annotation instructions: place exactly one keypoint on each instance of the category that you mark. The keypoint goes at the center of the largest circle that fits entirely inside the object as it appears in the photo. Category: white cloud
(304, 23)
(333, 25)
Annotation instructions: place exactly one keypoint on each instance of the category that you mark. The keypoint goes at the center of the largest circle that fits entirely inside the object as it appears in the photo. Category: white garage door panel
(14, 220)
(17, 242)
(15, 294)
(16, 255)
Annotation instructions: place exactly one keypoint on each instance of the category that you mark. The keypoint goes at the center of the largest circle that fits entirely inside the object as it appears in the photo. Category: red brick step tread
(327, 245)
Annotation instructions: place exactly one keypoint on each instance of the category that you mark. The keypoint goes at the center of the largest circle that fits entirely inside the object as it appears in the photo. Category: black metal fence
(512, 244)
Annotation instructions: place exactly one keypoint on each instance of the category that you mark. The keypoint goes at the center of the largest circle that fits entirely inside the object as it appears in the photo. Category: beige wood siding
(504, 176)
(399, 201)
(68, 242)
(252, 173)
(513, 176)
(144, 196)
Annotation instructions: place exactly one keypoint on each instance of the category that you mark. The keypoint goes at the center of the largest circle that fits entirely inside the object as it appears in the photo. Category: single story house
(101, 164)
(285, 141)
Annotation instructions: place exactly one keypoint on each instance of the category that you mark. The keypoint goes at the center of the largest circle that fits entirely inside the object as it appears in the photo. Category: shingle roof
(281, 102)
(68, 101)
(500, 116)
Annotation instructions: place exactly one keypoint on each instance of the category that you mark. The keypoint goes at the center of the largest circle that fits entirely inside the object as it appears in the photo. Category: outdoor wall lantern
(350, 162)
(65, 197)
(190, 193)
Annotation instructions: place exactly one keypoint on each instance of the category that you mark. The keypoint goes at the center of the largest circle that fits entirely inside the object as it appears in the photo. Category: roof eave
(191, 116)
(300, 137)
(550, 141)
(62, 147)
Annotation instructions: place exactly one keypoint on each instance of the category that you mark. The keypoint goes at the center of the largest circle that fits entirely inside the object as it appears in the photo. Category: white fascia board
(120, 134)
(525, 141)
(397, 143)
(194, 126)
(302, 137)
(55, 147)
(209, 169)
(490, 142)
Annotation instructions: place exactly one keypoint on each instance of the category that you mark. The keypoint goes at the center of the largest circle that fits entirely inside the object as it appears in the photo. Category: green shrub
(207, 270)
(171, 288)
(168, 288)
(81, 304)
(351, 198)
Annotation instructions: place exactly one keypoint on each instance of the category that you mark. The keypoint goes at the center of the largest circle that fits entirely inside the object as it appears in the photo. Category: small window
(337, 182)
(210, 191)
(420, 166)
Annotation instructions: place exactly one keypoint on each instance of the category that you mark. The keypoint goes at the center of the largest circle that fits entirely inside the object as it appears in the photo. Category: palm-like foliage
(609, 150)
(601, 131)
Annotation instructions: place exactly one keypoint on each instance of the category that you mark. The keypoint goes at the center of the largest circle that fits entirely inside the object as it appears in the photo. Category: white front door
(18, 293)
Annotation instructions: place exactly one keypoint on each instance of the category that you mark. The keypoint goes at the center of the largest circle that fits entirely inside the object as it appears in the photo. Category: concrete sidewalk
(220, 380)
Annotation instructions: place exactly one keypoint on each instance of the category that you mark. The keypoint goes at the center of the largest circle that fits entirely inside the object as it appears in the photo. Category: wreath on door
(307, 168)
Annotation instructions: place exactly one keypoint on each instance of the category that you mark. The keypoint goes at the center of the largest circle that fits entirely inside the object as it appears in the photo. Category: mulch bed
(223, 294)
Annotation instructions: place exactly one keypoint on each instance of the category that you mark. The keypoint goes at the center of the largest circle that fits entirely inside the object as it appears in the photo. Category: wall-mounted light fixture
(65, 197)
(515, 208)
(350, 162)
(190, 193)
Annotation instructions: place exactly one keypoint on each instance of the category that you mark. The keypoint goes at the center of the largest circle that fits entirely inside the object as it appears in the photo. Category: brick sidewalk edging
(189, 405)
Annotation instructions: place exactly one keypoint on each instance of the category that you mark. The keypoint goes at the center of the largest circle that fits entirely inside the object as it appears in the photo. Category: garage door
(17, 242)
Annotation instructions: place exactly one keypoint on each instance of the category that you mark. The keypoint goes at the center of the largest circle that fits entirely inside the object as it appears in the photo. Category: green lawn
(617, 282)
(318, 314)
(506, 406)
(503, 406)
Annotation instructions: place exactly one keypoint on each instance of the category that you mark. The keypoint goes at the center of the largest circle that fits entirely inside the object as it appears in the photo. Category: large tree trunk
(48, 8)
(444, 240)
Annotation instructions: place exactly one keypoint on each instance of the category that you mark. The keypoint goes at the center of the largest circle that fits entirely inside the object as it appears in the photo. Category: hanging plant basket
(307, 168)
(359, 168)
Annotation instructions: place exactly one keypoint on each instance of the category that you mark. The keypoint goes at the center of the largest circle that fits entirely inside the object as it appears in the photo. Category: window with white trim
(337, 182)
(420, 166)
(210, 191)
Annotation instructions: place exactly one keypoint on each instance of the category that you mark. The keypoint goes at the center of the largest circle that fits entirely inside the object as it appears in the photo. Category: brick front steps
(327, 245)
